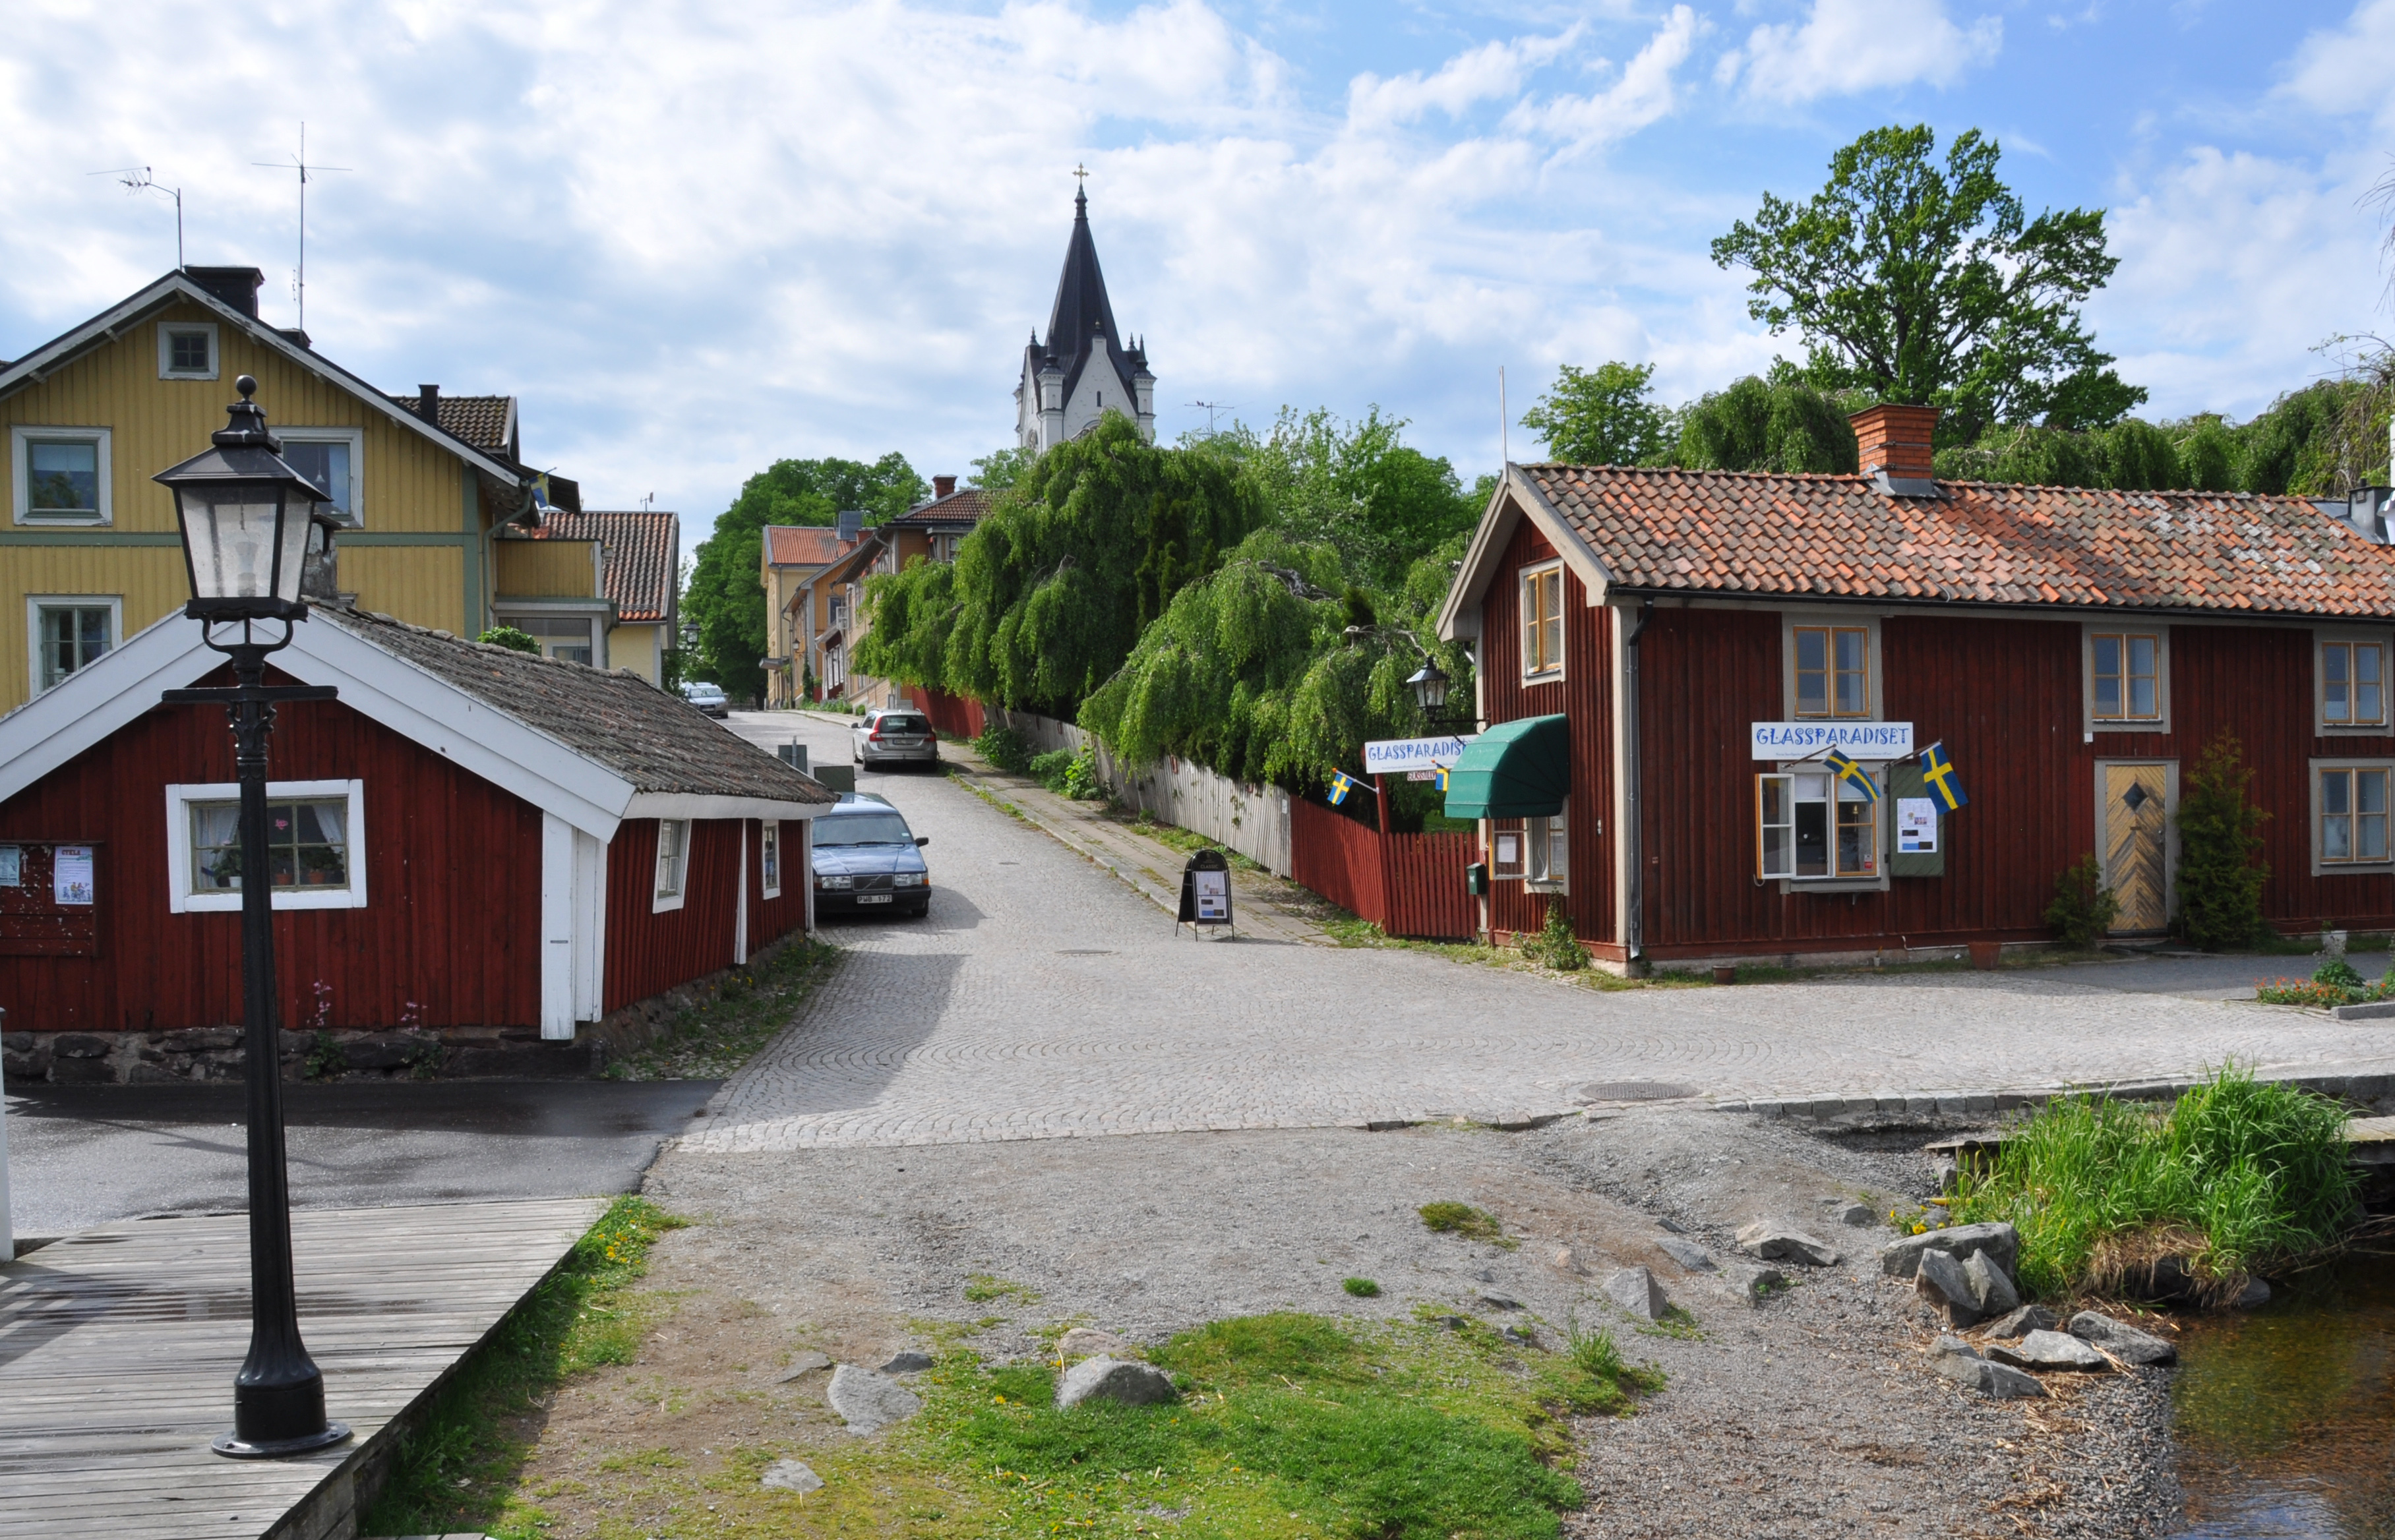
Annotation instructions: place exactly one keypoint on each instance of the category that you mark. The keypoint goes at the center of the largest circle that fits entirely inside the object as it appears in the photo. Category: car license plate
(873, 898)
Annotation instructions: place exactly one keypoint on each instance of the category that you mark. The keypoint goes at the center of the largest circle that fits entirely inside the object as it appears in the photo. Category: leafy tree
(726, 595)
(1001, 468)
(1604, 416)
(1355, 486)
(2220, 875)
(1779, 424)
(1931, 285)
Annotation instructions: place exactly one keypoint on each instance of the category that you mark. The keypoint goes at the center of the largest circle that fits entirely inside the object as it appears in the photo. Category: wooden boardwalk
(118, 1348)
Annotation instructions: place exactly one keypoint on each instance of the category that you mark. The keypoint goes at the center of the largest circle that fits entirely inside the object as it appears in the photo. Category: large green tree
(1603, 416)
(1354, 485)
(1779, 423)
(726, 595)
(1930, 284)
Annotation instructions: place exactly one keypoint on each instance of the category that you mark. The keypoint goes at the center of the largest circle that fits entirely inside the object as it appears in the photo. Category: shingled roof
(643, 551)
(479, 420)
(965, 506)
(656, 741)
(804, 545)
(1752, 534)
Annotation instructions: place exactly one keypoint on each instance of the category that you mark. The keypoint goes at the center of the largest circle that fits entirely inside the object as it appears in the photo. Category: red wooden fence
(954, 715)
(1408, 885)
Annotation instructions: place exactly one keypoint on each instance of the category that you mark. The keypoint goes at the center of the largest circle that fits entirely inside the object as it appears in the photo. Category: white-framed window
(1811, 826)
(334, 459)
(60, 475)
(187, 349)
(1536, 852)
(572, 638)
(674, 863)
(67, 632)
(2352, 672)
(769, 864)
(1542, 623)
(2128, 678)
(2349, 813)
(315, 840)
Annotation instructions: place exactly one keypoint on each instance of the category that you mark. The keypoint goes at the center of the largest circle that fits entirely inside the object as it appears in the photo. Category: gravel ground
(1813, 1415)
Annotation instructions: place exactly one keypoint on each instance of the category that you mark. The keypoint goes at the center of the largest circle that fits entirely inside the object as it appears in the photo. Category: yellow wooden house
(423, 485)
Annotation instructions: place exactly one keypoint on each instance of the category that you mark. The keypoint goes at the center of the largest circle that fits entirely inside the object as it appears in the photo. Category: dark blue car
(868, 861)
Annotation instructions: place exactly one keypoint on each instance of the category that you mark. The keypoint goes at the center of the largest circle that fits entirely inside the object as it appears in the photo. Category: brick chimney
(942, 486)
(237, 286)
(427, 403)
(1892, 444)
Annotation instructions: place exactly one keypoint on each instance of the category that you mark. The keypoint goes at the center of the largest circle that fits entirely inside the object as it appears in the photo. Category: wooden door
(2137, 829)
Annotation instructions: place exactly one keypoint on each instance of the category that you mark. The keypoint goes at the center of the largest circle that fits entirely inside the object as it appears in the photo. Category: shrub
(2219, 875)
(511, 638)
(1004, 749)
(1555, 944)
(2083, 909)
(2338, 972)
(1070, 773)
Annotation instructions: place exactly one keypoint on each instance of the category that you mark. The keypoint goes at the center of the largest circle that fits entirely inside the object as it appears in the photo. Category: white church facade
(1084, 369)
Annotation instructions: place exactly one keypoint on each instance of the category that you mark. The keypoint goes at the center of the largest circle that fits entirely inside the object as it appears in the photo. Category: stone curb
(2376, 1010)
(2366, 1088)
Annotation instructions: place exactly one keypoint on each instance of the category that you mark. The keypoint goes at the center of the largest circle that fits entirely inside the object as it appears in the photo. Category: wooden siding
(637, 648)
(548, 569)
(449, 935)
(649, 952)
(770, 919)
(1408, 885)
(149, 580)
(424, 586)
(957, 716)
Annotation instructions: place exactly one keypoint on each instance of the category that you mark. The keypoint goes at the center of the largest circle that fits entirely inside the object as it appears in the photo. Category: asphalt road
(81, 1155)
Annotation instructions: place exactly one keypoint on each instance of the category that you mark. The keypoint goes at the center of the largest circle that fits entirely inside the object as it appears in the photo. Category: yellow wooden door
(2137, 825)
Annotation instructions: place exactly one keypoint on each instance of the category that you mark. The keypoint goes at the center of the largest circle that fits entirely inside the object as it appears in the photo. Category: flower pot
(1985, 954)
(2333, 943)
(1726, 974)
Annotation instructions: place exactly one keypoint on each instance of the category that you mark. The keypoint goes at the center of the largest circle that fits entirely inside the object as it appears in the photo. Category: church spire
(1082, 370)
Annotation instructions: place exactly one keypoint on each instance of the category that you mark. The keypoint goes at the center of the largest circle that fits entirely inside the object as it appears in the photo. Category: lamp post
(246, 517)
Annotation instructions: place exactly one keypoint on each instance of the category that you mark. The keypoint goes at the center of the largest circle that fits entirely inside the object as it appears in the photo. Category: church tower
(1083, 370)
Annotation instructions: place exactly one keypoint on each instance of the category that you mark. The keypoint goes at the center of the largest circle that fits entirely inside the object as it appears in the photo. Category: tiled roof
(642, 555)
(801, 545)
(480, 420)
(965, 506)
(656, 741)
(1746, 532)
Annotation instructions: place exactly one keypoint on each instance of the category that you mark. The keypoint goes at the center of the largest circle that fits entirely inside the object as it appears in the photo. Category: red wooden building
(480, 855)
(1704, 636)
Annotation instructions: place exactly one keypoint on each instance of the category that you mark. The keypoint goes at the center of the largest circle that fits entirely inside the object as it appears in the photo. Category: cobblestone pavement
(1042, 998)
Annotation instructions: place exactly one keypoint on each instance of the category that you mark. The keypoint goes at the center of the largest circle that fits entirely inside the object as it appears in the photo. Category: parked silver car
(709, 698)
(893, 735)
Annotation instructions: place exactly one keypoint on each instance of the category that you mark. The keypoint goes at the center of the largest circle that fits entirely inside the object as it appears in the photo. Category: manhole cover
(1631, 1091)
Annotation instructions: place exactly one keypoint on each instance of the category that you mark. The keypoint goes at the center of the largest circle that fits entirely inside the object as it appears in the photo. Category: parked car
(709, 698)
(895, 735)
(865, 858)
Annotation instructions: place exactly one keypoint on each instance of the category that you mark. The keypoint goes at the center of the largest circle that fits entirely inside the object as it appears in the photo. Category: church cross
(1081, 174)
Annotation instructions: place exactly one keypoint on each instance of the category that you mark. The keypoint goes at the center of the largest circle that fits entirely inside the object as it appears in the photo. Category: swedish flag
(1340, 785)
(1439, 776)
(1852, 774)
(1943, 784)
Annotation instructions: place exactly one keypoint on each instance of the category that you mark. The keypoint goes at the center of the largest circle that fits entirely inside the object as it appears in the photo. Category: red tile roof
(1745, 532)
(480, 420)
(967, 505)
(801, 545)
(643, 552)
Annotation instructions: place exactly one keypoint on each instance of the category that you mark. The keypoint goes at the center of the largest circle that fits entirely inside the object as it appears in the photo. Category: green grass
(456, 1471)
(2257, 1173)
(1362, 1288)
(983, 1288)
(1471, 1224)
(1186, 841)
(714, 1037)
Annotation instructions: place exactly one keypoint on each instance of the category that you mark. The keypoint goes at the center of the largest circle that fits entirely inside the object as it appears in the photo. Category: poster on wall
(70, 876)
(1916, 827)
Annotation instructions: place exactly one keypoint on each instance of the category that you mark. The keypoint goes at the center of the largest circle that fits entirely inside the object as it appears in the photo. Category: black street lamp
(246, 516)
(1429, 685)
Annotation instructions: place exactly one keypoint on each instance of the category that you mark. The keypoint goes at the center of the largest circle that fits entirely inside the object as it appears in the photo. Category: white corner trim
(180, 900)
(679, 805)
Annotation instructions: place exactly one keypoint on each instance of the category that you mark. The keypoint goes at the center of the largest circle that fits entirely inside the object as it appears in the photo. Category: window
(2125, 668)
(673, 859)
(314, 841)
(62, 475)
(69, 632)
(1549, 854)
(330, 458)
(187, 349)
(1810, 824)
(2353, 687)
(2352, 815)
(1509, 854)
(1542, 622)
(769, 866)
(1833, 671)
(566, 638)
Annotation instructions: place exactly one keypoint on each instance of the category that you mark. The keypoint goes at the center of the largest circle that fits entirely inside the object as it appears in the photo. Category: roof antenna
(299, 163)
(137, 178)
(1212, 407)
(647, 501)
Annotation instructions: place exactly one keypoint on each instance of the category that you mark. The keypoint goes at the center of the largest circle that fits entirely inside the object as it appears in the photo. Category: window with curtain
(72, 637)
(2353, 690)
(2353, 815)
(306, 845)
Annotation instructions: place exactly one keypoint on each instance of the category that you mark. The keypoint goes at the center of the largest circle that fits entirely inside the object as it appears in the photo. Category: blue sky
(697, 237)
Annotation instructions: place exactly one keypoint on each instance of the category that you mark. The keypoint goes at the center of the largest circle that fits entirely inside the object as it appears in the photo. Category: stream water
(2285, 1416)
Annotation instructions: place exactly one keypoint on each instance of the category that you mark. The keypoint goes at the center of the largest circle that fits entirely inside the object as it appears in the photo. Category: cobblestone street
(1044, 999)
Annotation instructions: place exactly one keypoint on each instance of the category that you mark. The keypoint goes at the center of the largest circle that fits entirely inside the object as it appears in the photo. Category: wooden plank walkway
(118, 1347)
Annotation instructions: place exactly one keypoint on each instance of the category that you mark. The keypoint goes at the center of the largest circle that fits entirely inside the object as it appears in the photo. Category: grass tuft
(1362, 1288)
(1473, 1224)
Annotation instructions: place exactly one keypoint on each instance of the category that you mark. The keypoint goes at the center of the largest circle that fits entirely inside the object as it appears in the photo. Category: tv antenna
(299, 163)
(137, 178)
(648, 501)
(1211, 409)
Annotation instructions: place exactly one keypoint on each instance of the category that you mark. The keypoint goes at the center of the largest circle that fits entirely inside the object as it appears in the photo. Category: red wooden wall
(957, 716)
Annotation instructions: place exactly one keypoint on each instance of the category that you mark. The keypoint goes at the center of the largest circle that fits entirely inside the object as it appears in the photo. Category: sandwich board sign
(1205, 891)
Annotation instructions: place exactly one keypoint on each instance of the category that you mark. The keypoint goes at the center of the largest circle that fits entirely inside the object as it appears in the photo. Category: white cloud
(1494, 69)
(1845, 47)
(1646, 91)
(2346, 68)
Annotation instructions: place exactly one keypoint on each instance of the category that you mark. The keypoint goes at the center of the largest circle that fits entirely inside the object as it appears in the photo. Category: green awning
(1516, 769)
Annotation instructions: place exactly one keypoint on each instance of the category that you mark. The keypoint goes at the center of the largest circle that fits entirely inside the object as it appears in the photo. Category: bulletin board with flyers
(49, 899)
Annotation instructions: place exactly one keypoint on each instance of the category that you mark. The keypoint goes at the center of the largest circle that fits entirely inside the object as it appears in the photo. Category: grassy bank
(2238, 1176)
(715, 1036)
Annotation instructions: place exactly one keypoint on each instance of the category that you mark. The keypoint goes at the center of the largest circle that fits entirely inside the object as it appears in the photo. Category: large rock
(1114, 1379)
(1635, 1290)
(806, 1363)
(1686, 1252)
(908, 1363)
(2121, 1339)
(1754, 1284)
(2020, 1323)
(1089, 1342)
(791, 1475)
(1942, 1284)
(868, 1401)
(2003, 1382)
(1846, 1211)
(1902, 1257)
(1778, 1243)
(1991, 1288)
(2049, 1350)
(1958, 1361)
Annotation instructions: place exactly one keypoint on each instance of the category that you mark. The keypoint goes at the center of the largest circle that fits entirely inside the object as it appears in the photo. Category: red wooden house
(481, 855)
(1705, 637)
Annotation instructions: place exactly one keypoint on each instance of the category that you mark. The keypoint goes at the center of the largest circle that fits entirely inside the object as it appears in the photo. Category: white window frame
(769, 857)
(1875, 695)
(1833, 881)
(1548, 838)
(661, 900)
(36, 603)
(2377, 727)
(356, 439)
(180, 900)
(2322, 865)
(168, 331)
(21, 436)
(2161, 720)
(1553, 672)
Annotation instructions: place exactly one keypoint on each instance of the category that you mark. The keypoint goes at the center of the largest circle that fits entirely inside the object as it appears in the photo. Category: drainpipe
(1637, 939)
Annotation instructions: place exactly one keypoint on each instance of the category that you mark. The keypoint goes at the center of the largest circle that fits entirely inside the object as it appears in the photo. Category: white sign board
(1390, 756)
(1876, 741)
(71, 875)
(1916, 827)
(1214, 890)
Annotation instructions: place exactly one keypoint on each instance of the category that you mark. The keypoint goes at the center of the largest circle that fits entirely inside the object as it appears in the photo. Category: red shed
(479, 856)
(1709, 637)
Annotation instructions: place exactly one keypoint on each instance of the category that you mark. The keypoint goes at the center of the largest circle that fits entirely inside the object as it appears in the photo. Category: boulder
(869, 1403)
(2121, 1339)
(1991, 1288)
(2003, 1382)
(2049, 1350)
(1089, 1342)
(1902, 1257)
(1686, 1252)
(1957, 1359)
(2252, 1297)
(908, 1363)
(1942, 1284)
(1567, 1260)
(2020, 1323)
(1497, 1301)
(1635, 1290)
(791, 1475)
(1846, 1211)
(806, 1363)
(79, 1044)
(1114, 1379)
(1778, 1243)
(1752, 1284)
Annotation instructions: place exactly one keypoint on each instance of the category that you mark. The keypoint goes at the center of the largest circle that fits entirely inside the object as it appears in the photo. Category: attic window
(187, 349)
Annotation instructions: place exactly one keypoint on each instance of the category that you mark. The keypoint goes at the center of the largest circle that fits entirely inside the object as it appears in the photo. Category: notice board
(49, 898)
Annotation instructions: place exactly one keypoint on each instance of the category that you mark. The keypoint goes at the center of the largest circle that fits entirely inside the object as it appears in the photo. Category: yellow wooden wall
(546, 569)
(635, 647)
(424, 586)
(149, 579)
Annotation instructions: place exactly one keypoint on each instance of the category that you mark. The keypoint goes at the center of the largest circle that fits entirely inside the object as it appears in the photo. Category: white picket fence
(1250, 820)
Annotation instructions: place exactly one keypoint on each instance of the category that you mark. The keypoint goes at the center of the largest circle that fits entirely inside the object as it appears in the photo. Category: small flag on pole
(1340, 785)
(1438, 774)
(1944, 782)
(1852, 774)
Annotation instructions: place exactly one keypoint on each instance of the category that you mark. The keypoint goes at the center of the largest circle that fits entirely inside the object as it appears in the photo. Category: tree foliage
(1603, 416)
(1779, 424)
(1355, 486)
(1930, 285)
(2221, 870)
